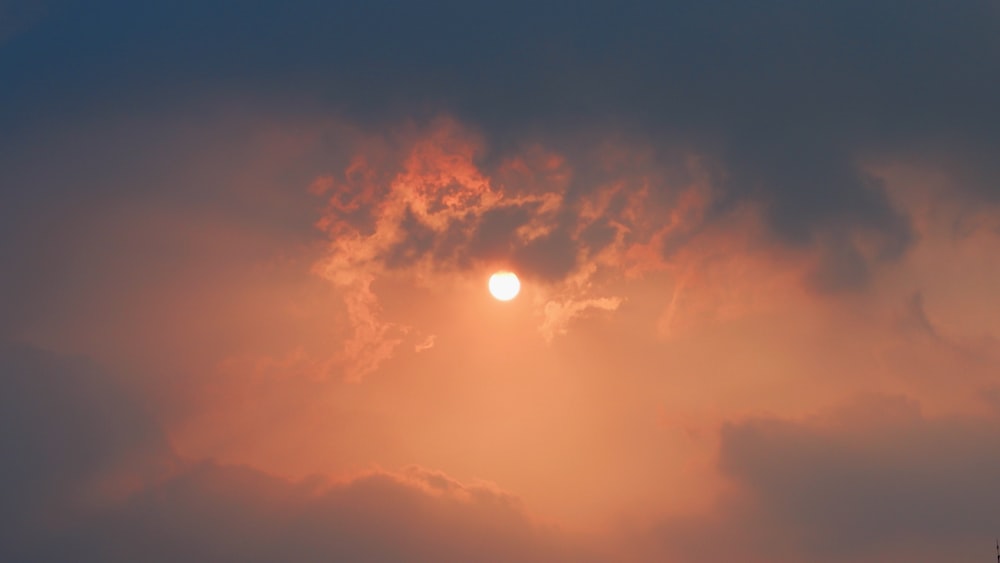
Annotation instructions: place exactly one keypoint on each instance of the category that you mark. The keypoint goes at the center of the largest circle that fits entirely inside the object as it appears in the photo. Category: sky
(245, 248)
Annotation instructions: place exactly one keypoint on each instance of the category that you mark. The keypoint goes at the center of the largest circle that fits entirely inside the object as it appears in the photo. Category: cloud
(373, 340)
(72, 437)
(783, 114)
(90, 477)
(559, 314)
(425, 344)
(875, 480)
(545, 122)
(163, 168)
(229, 513)
(913, 321)
(445, 214)
(443, 203)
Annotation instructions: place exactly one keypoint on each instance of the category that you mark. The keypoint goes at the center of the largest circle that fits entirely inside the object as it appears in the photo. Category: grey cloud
(495, 235)
(417, 241)
(216, 513)
(70, 224)
(875, 481)
(66, 427)
(913, 319)
(841, 267)
(786, 99)
(550, 257)
(598, 235)
(914, 480)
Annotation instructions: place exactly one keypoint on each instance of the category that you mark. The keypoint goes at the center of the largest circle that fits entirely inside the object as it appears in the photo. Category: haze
(244, 253)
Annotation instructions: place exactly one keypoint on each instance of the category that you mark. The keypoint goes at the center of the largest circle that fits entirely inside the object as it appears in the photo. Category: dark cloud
(417, 240)
(550, 257)
(841, 266)
(88, 476)
(495, 236)
(784, 99)
(598, 235)
(65, 428)
(875, 481)
(214, 513)
(74, 193)
(231, 513)
(913, 320)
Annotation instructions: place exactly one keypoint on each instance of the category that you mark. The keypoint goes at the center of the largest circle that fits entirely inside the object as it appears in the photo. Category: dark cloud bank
(87, 476)
(782, 100)
(875, 480)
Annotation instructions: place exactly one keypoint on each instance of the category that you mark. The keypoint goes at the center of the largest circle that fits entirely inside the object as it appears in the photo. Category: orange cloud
(444, 214)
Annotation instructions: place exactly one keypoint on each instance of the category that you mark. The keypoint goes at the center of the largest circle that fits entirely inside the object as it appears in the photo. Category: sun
(504, 285)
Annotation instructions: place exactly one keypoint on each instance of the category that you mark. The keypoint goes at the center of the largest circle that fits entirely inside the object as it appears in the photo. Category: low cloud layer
(874, 480)
(89, 477)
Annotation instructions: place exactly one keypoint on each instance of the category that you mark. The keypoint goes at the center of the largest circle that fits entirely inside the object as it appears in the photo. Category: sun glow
(504, 285)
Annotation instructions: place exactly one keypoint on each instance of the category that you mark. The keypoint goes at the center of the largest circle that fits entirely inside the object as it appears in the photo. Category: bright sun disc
(504, 286)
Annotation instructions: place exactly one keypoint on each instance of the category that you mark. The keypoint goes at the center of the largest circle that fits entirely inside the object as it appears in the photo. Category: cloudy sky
(244, 252)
